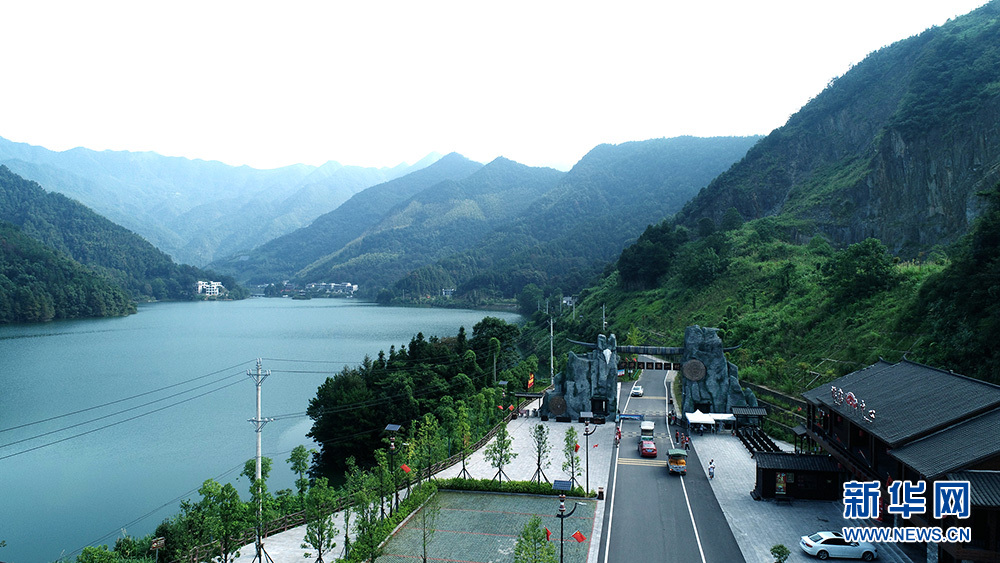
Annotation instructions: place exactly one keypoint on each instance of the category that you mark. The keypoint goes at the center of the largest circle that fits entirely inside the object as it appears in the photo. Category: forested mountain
(195, 210)
(567, 235)
(446, 218)
(894, 149)
(110, 250)
(284, 256)
(41, 284)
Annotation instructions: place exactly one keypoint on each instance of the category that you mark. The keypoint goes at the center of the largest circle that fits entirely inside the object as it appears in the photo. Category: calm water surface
(120, 460)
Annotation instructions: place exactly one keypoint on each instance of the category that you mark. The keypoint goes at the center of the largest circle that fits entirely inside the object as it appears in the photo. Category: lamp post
(392, 463)
(587, 432)
(562, 516)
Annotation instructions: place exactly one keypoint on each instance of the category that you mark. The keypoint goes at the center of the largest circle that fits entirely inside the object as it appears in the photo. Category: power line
(2, 430)
(35, 437)
(8, 456)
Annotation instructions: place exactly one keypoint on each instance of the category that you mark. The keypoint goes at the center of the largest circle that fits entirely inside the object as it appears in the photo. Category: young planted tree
(428, 519)
(225, 518)
(320, 530)
(464, 430)
(363, 488)
(261, 502)
(499, 452)
(532, 544)
(540, 437)
(570, 446)
(299, 460)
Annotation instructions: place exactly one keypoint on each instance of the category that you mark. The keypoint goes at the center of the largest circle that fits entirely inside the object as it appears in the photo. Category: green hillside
(110, 250)
(895, 149)
(446, 218)
(284, 256)
(571, 232)
(40, 284)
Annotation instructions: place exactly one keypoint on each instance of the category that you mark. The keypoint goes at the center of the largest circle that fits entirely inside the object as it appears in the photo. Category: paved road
(653, 515)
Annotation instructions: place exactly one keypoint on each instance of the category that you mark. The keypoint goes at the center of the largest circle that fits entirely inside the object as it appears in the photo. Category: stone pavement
(757, 525)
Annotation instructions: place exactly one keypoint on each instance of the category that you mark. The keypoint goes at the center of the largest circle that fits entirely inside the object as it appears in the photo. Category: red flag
(511, 408)
(579, 537)
(576, 448)
(531, 381)
(548, 535)
(500, 407)
(595, 445)
(405, 468)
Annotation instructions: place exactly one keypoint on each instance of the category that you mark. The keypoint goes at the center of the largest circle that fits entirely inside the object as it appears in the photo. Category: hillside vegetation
(802, 314)
(77, 234)
(895, 149)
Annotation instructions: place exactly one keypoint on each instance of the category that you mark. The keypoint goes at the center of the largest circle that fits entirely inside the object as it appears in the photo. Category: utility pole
(259, 423)
(552, 368)
(604, 318)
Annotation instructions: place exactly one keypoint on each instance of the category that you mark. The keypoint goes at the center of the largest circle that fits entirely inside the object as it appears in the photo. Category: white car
(637, 390)
(832, 544)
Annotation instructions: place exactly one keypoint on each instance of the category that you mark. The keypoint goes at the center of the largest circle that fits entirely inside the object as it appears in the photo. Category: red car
(647, 448)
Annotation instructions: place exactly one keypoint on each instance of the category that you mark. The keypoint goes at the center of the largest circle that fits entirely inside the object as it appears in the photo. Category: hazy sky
(376, 83)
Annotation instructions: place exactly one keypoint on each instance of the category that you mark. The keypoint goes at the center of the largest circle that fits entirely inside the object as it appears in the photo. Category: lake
(108, 424)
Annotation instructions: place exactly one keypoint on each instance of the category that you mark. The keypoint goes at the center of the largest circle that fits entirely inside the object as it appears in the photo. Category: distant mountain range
(196, 210)
(491, 229)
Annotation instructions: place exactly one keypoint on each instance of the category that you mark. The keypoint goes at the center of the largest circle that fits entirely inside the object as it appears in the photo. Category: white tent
(720, 417)
(698, 417)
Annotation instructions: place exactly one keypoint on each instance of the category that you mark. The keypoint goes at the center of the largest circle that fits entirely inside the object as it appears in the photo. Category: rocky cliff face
(895, 149)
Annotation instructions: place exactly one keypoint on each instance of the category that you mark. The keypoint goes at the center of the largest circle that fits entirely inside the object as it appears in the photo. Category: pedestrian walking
(711, 469)
(677, 436)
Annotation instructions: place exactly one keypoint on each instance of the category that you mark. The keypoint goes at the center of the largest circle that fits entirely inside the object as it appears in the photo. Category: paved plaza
(757, 525)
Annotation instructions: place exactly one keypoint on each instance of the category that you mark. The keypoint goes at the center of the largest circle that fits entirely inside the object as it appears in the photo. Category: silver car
(637, 390)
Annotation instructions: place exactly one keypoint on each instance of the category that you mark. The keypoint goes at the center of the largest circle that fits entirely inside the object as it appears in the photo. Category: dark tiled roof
(955, 447)
(794, 462)
(749, 411)
(910, 399)
(984, 485)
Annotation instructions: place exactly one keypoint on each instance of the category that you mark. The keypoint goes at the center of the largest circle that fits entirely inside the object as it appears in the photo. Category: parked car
(832, 544)
(637, 390)
(647, 448)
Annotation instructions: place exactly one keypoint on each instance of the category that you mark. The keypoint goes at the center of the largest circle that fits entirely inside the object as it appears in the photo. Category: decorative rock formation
(589, 383)
(710, 379)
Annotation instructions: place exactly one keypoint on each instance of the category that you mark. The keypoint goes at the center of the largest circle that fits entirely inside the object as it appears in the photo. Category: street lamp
(392, 463)
(587, 432)
(562, 516)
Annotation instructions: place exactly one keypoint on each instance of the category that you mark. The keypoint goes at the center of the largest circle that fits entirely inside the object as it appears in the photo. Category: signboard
(158, 543)
(780, 486)
(560, 485)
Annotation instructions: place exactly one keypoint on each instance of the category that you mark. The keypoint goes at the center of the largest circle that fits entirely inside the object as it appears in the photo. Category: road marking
(647, 462)
(687, 500)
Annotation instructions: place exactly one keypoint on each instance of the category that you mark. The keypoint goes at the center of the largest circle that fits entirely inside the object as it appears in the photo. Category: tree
(540, 437)
(731, 220)
(320, 530)
(428, 517)
(861, 270)
(499, 453)
(261, 500)
(780, 553)
(570, 447)
(533, 545)
(299, 460)
(226, 517)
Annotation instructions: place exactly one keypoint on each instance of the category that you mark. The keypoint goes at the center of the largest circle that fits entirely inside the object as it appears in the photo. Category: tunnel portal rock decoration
(709, 378)
(589, 383)
(710, 382)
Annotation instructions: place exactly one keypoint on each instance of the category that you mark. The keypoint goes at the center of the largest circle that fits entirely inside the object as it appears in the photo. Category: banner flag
(579, 537)
(405, 468)
(531, 381)
(548, 535)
